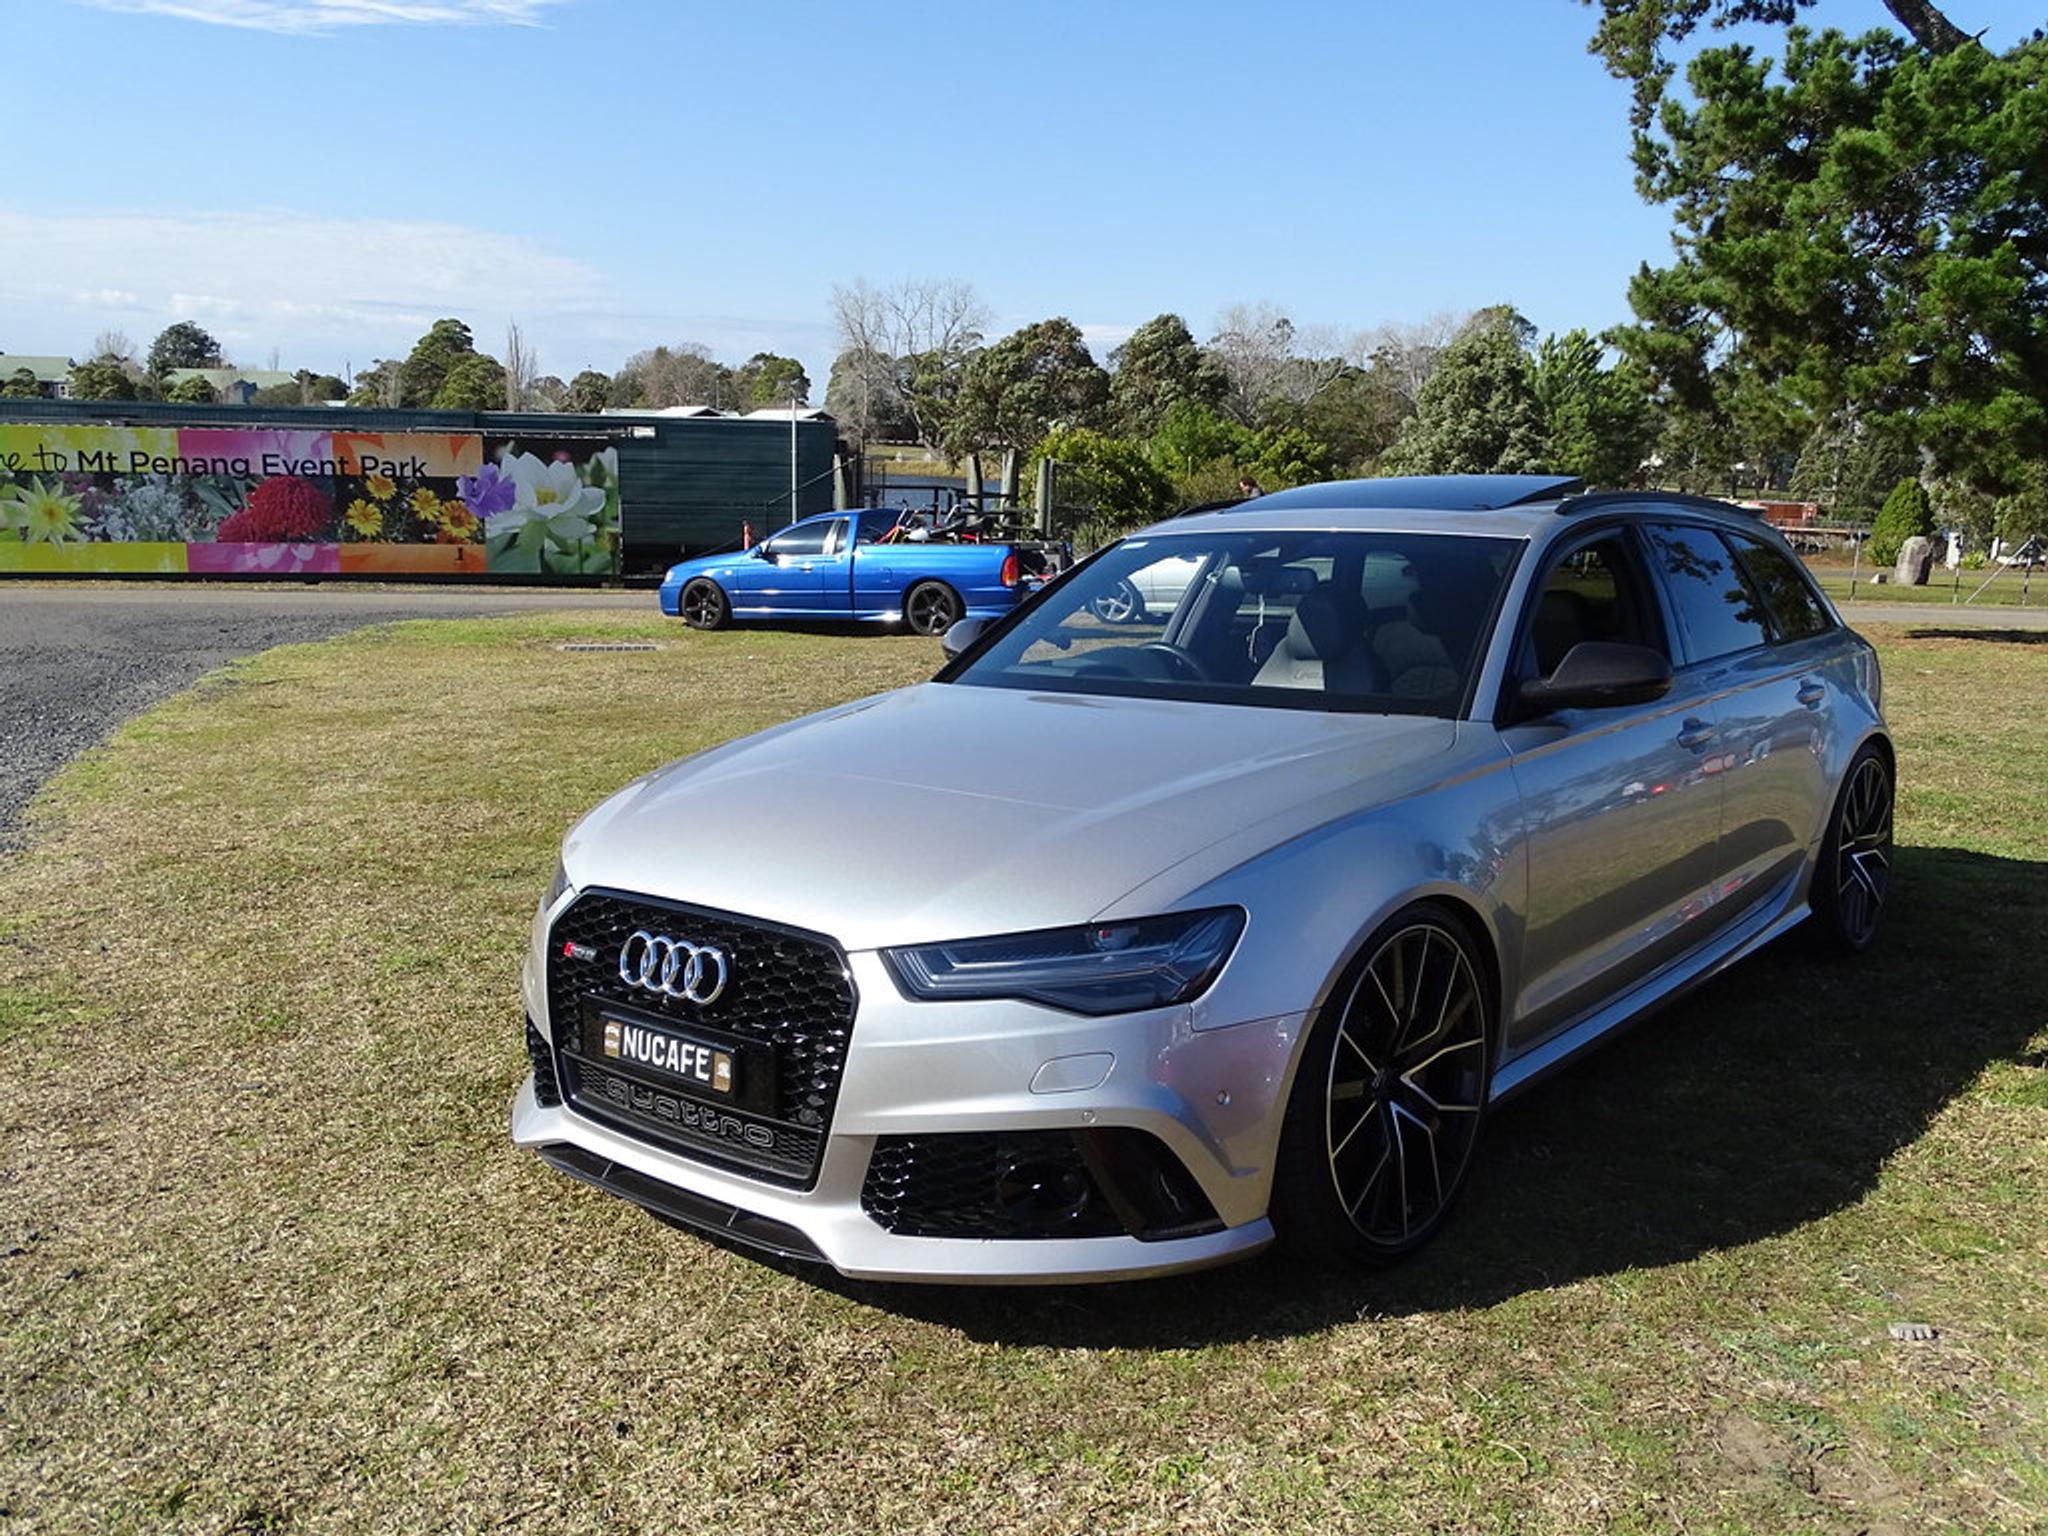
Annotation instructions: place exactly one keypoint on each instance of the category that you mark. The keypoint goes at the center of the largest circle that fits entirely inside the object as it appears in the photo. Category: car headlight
(1121, 967)
(556, 886)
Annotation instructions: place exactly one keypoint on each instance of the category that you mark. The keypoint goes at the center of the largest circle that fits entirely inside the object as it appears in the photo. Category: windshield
(1381, 622)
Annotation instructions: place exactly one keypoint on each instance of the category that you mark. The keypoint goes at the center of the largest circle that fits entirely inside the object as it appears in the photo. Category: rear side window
(1795, 609)
(1718, 609)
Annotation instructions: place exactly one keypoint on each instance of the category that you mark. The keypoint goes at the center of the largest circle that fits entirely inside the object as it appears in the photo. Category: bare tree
(521, 368)
(276, 360)
(1403, 356)
(685, 374)
(1255, 345)
(116, 345)
(907, 343)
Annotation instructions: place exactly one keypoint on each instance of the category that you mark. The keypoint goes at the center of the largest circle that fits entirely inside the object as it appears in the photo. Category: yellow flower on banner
(458, 520)
(364, 519)
(44, 515)
(426, 506)
(380, 486)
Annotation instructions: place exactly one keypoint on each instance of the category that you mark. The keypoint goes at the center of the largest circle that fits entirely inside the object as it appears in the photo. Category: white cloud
(328, 291)
(303, 16)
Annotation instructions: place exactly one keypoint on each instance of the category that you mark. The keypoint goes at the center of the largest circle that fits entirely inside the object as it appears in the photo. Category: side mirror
(760, 552)
(1598, 674)
(961, 635)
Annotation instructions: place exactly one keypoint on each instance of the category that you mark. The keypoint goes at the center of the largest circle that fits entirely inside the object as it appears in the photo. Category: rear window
(1795, 608)
(1717, 608)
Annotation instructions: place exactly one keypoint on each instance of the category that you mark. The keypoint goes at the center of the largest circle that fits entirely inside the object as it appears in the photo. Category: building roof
(262, 378)
(781, 413)
(48, 369)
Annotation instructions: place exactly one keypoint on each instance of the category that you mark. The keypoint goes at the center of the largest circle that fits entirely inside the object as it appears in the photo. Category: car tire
(1852, 878)
(704, 605)
(931, 607)
(1389, 1095)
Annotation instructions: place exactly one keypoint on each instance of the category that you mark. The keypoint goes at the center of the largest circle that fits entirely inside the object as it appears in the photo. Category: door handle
(1811, 693)
(1694, 735)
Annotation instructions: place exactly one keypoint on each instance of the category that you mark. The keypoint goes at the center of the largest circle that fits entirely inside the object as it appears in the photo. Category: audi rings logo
(654, 962)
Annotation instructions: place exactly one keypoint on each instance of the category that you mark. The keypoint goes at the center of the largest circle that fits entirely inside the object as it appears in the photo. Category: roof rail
(1594, 501)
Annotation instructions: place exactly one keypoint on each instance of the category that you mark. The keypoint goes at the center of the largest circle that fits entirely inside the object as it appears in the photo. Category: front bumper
(1210, 1096)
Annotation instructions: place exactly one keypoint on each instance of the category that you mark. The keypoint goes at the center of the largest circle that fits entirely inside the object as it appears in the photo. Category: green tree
(1848, 469)
(22, 384)
(1358, 415)
(766, 379)
(1598, 422)
(474, 383)
(1193, 436)
(181, 344)
(434, 356)
(101, 379)
(1105, 483)
(1907, 513)
(1032, 382)
(589, 392)
(1158, 367)
(1478, 414)
(863, 396)
(194, 390)
(1861, 224)
(376, 385)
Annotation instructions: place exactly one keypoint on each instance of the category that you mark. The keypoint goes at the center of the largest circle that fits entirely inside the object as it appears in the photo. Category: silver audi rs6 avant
(1146, 932)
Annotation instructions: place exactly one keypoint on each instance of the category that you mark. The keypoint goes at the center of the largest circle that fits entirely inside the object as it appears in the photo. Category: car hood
(944, 810)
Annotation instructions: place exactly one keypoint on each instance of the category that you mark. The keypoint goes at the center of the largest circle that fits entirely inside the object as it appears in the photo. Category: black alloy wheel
(1854, 875)
(1390, 1094)
(704, 605)
(931, 608)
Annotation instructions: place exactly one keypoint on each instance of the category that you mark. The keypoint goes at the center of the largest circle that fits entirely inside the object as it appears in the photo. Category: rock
(1916, 558)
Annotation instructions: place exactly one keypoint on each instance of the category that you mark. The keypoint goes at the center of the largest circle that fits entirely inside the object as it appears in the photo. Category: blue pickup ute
(851, 566)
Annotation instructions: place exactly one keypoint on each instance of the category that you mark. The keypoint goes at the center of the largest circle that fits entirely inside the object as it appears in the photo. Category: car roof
(1498, 506)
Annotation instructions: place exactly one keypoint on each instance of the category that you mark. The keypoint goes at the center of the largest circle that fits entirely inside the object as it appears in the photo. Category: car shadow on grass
(2001, 636)
(1772, 1096)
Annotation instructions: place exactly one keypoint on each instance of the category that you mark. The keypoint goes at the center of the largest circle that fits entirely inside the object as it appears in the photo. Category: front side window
(1795, 609)
(1718, 610)
(1382, 622)
(806, 539)
(1591, 594)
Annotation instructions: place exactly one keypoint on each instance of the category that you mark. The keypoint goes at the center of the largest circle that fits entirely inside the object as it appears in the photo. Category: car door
(1621, 807)
(1761, 646)
(787, 581)
(828, 575)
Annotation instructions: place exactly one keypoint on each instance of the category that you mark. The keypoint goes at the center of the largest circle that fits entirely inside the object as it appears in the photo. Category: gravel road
(76, 661)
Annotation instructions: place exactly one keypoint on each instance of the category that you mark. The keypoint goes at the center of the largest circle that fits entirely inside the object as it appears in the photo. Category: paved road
(1944, 616)
(75, 661)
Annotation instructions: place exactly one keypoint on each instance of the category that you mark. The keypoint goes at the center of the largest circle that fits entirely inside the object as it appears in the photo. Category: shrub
(1906, 512)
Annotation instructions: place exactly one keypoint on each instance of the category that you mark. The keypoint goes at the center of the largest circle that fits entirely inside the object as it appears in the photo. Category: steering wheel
(1183, 663)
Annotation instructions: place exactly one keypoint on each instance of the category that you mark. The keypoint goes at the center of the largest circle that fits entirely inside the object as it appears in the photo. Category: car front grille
(788, 991)
(547, 1091)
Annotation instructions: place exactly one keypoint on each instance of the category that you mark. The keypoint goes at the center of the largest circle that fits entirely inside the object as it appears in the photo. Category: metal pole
(792, 455)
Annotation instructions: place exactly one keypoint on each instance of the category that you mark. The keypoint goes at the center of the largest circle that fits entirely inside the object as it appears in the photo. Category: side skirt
(1652, 993)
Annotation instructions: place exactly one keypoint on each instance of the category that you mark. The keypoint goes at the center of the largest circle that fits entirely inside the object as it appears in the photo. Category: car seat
(1323, 648)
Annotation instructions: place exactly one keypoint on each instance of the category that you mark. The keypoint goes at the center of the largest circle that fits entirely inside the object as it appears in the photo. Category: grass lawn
(270, 1264)
(2009, 591)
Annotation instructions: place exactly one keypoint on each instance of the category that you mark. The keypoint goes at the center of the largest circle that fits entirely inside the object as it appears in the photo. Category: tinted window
(1786, 591)
(1385, 622)
(1716, 606)
(874, 524)
(808, 539)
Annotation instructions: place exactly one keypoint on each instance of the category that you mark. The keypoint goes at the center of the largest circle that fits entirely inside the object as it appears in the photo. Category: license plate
(671, 1054)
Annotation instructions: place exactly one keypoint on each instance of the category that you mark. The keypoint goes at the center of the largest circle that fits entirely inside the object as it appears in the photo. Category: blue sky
(617, 173)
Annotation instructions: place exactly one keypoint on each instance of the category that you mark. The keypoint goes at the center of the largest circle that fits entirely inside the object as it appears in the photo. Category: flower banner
(227, 501)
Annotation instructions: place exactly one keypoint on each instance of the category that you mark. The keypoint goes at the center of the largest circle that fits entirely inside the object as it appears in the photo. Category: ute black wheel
(1854, 875)
(704, 605)
(931, 607)
(1390, 1093)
